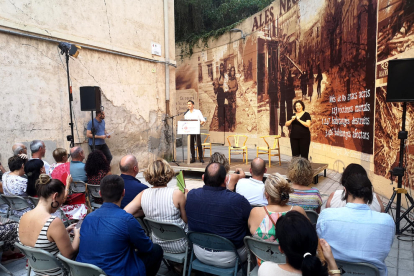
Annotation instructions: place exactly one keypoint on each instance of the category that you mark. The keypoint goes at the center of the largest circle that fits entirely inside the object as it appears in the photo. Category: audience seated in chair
(38, 149)
(96, 167)
(232, 179)
(129, 169)
(355, 232)
(262, 220)
(38, 228)
(301, 175)
(109, 237)
(216, 210)
(61, 157)
(298, 241)
(77, 167)
(253, 188)
(336, 199)
(19, 148)
(162, 203)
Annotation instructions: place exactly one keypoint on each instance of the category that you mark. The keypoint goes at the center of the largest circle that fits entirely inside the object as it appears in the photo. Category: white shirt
(195, 115)
(270, 269)
(252, 190)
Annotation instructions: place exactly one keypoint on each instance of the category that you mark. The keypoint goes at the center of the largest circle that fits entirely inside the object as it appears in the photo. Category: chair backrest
(363, 269)
(77, 187)
(266, 251)
(312, 215)
(4, 201)
(275, 139)
(236, 140)
(40, 259)
(35, 200)
(143, 226)
(211, 241)
(17, 203)
(207, 136)
(81, 269)
(164, 230)
(93, 190)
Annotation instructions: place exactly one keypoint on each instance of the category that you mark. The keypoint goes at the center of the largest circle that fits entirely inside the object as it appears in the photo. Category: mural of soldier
(311, 82)
(319, 79)
(222, 89)
(304, 84)
(233, 87)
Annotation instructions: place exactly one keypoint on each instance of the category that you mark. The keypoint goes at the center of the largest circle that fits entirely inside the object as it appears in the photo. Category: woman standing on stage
(300, 136)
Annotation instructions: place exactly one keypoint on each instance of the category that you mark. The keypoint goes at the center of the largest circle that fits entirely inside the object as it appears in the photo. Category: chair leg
(29, 269)
(247, 158)
(270, 159)
(229, 156)
(5, 269)
(257, 152)
(210, 150)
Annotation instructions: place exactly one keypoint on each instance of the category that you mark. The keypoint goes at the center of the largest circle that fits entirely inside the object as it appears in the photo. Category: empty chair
(81, 269)
(348, 269)
(237, 147)
(212, 242)
(93, 193)
(270, 149)
(18, 205)
(265, 251)
(205, 145)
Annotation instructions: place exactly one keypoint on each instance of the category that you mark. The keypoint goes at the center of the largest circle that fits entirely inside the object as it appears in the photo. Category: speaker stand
(70, 138)
(93, 131)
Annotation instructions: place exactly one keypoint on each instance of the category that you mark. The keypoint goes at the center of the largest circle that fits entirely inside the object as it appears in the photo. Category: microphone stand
(172, 135)
(93, 131)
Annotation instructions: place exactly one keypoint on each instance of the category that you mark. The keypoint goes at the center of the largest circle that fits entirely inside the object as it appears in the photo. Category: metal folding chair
(81, 269)
(313, 216)
(4, 201)
(349, 269)
(93, 193)
(16, 203)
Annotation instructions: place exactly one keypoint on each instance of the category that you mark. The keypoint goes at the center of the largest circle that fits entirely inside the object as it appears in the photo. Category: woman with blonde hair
(162, 203)
(238, 174)
(262, 220)
(301, 175)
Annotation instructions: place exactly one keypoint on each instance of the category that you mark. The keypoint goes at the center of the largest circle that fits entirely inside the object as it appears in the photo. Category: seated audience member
(109, 237)
(38, 149)
(253, 188)
(301, 175)
(19, 148)
(355, 232)
(216, 210)
(129, 169)
(8, 234)
(33, 169)
(96, 167)
(337, 199)
(61, 157)
(298, 241)
(38, 228)
(77, 167)
(262, 220)
(162, 203)
(13, 182)
(232, 179)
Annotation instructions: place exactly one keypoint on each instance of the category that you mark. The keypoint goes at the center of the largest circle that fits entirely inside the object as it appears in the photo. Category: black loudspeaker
(90, 98)
(400, 87)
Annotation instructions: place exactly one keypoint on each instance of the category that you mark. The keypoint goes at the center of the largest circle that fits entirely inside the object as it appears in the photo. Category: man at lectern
(195, 114)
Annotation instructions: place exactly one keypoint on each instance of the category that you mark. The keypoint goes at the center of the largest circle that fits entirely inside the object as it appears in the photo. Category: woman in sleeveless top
(162, 203)
(301, 174)
(218, 157)
(262, 220)
(337, 200)
(39, 229)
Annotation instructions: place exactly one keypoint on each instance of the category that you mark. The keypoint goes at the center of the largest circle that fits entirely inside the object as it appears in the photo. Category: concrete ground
(400, 260)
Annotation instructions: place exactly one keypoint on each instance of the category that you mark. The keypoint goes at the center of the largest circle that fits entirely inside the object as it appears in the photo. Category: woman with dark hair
(96, 167)
(337, 199)
(300, 136)
(355, 232)
(233, 87)
(33, 168)
(38, 228)
(299, 242)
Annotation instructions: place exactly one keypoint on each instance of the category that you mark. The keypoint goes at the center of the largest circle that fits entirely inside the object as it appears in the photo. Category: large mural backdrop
(323, 52)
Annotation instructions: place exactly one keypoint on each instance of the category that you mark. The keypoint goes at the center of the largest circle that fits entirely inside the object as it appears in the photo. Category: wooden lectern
(188, 127)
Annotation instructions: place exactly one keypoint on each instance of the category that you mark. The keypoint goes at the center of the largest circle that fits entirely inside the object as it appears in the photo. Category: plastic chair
(169, 232)
(77, 187)
(16, 203)
(144, 227)
(312, 215)
(4, 201)
(93, 193)
(1, 254)
(266, 251)
(349, 269)
(268, 150)
(33, 199)
(236, 147)
(40, 259)
(211, 242)
(81, 269)
(205, 145)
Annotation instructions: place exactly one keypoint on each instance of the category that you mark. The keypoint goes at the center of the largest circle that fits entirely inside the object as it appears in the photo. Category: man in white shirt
(195, 114)
(38, 149)
(253, 188)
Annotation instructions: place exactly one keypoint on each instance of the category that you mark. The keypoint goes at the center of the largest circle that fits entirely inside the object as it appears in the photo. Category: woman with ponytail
(299, 242)
(262, 220)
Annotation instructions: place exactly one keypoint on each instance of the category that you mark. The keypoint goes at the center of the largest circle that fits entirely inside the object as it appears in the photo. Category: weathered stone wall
(34, 96)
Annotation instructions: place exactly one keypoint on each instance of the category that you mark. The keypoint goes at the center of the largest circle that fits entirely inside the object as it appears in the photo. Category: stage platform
(198, 167)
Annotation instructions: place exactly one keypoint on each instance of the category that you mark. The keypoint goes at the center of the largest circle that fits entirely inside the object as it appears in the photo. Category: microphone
(186, 111)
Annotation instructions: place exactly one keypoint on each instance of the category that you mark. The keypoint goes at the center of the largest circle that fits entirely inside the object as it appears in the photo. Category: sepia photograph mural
(322, 52)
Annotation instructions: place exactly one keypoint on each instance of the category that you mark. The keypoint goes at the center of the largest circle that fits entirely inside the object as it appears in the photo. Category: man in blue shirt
(109, 237)
(77, 167)
(129, 169)
(100, 134)
(214, 209)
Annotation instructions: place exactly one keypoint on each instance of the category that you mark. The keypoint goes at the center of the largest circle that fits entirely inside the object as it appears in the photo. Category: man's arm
(137, 236)
(89, 135)
(2, 168)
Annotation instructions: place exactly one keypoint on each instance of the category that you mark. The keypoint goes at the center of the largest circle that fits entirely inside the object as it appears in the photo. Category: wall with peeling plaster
(34, 97)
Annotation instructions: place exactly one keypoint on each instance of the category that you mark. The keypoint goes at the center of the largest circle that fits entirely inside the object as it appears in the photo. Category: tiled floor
(400, 260)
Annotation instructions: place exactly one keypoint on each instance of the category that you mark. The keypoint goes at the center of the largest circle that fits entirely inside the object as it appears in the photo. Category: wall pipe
(166, 50)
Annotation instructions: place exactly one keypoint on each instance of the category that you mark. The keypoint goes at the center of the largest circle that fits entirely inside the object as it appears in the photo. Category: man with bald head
(216, 210)
(129, 169)
(253, 188)
(77, 167)
(19, 148)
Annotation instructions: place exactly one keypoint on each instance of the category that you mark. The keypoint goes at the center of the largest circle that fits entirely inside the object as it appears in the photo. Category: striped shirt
(307, 199)
(44, 244)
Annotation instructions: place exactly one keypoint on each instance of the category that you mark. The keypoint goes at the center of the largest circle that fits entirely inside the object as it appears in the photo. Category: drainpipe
(166, 51)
